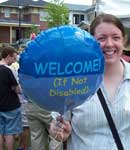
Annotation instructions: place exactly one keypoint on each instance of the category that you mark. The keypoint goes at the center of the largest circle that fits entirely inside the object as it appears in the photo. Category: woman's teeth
(108, 52)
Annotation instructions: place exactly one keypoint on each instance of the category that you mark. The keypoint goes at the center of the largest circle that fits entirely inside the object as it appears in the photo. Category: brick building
(17, 16)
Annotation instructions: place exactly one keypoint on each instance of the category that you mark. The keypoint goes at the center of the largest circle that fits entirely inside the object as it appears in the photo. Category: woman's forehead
(107, 28)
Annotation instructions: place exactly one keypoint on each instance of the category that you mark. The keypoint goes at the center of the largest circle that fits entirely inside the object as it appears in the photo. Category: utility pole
(19, 19)
(97, 7)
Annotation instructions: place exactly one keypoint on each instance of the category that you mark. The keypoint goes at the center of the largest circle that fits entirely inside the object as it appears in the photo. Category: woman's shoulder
(127, 68)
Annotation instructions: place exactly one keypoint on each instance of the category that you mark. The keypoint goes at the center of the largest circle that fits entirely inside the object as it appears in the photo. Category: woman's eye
(116, 38)
(101, 39)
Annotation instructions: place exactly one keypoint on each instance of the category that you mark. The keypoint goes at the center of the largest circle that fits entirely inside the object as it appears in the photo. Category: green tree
(58, 13)
(31, 29)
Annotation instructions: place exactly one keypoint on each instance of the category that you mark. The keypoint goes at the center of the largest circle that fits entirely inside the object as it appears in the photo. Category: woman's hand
(60, 130)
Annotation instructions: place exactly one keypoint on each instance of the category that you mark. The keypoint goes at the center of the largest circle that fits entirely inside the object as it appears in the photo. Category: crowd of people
(87, 128)
(18, 114)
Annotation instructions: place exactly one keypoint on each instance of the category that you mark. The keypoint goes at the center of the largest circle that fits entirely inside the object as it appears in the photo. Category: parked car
(22, 43)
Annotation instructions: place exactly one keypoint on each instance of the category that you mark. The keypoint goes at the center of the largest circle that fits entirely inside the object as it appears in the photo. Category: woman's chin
(110, 61)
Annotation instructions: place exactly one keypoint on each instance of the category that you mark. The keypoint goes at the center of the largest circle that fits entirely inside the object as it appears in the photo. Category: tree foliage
(58, 13)
(31, 29)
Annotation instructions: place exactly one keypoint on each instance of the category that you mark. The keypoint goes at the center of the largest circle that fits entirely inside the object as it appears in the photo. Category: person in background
(39, 120)
(32, 36)
(88, 128)
(10, 113)
(24, 137)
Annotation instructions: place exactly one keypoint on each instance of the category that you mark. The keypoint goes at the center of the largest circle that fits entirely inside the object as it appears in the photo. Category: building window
(77, 18)
(7, 13)
(1, 10)
(43, 15)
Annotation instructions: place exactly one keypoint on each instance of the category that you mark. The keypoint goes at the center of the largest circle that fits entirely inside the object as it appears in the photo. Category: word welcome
(71, 68)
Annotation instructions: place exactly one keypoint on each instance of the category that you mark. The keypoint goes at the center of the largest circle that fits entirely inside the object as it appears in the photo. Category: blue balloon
(61, 68)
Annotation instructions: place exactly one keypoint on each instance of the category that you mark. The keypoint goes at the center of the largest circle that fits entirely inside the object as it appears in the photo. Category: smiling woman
(89, 127)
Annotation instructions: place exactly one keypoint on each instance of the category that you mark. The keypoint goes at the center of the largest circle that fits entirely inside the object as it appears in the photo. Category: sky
(2, 1)
(107, 6)
(120, 8)
(82, 2)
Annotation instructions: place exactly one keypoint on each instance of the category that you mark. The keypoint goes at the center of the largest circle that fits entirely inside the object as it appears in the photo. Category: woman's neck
(114, 69)
(113, 77)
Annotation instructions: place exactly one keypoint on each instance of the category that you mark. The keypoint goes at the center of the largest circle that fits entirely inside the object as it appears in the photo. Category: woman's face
(111, 41)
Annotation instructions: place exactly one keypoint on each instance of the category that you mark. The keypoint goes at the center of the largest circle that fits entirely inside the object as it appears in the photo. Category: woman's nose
(109, 41)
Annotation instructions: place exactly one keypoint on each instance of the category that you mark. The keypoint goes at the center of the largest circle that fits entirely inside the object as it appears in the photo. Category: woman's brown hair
(108, 18)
